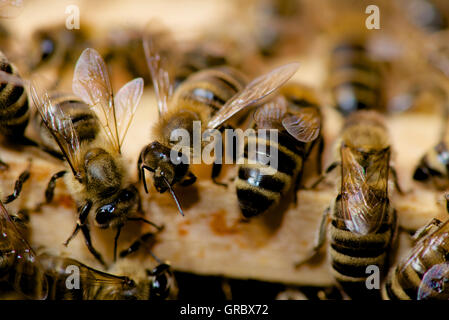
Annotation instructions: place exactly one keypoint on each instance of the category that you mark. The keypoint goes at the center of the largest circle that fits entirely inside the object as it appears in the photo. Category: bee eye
(104, 214)
(47, 48)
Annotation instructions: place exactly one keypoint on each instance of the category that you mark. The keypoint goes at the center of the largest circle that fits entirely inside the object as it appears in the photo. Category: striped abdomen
(355, 79)
(211, 87)
(434, 166)
(259, 188)
(14, 111)
(85, 121)
(93, 284)
(404, 280)
(351, 253)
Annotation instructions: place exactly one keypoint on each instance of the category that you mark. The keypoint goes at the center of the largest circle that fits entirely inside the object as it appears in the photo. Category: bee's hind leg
(148, 239)
(24, 176)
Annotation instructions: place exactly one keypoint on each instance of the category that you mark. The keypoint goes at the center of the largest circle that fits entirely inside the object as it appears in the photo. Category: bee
(211, 96)
(99, 180)
(18, 262)
(355, 78)
(296, 116)
(14, 109)
(56, 48)
(433, 165)
(156, 284)
(424, 273)
(91, 285)
(363, 224)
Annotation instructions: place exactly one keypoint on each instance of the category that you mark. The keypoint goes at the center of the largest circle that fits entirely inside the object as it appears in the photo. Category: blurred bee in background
(99, 179)
(363, 224)
(424, 273)
(428, 15)
(210, 96)
(296, 116)
(355, 78)
(56, 48)
(124, 47)
(18, 263)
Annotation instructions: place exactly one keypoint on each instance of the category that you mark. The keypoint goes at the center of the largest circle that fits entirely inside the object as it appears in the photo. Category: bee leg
(159, 228)
(83, 212)
(189, 180)
(329, 169)
(425, 230)
(24, 176)
(95, 253)
(50, 190)
(216, 169)
(321, 239)
(319, 156)
(145, 238)
(396, 180)
(117, 235)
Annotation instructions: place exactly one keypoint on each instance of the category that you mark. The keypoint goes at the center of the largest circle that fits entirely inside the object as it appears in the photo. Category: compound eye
(47, 48)
(104, 214)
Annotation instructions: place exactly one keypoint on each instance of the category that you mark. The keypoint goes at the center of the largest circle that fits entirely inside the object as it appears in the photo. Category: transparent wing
(157, 66)
(60, 126)
(19, 260)
(126, 102)
(256, 90)
(10, 8)
(305, 125)
(270, 113)
(364, 191)
(434, 284)
(92, 84)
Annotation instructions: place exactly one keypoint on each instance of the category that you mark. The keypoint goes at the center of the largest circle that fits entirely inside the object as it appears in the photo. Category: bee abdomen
(355, 79)
(261, 186)
(352, 253)
(14, 111)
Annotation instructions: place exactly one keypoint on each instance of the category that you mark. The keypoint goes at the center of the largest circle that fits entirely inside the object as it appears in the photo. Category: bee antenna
(142, 170)
(154, 257)
(174, 196)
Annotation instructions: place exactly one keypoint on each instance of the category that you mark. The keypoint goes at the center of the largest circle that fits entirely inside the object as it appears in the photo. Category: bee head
(116, 211)
(167, 165)
(162, 282)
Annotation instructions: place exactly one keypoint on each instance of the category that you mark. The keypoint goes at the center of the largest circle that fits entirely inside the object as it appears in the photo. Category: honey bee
(156, 284)
(18, 262)
(433, 166)
(14, 109)
(211, 96)
(424, 273)
(355, 78)
(93, 284)
(56, 48)
(296, 116)
(363, 223)
(99, 181)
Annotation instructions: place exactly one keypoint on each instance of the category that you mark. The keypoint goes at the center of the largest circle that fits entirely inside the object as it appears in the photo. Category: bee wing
(10, 8)
(271, 112)
(92, 84)
(160, 75)
(434, 283)
(25, 269)
(305, 125)
(256, 90)
(364, 191)
(60, 126)
(126, 102)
